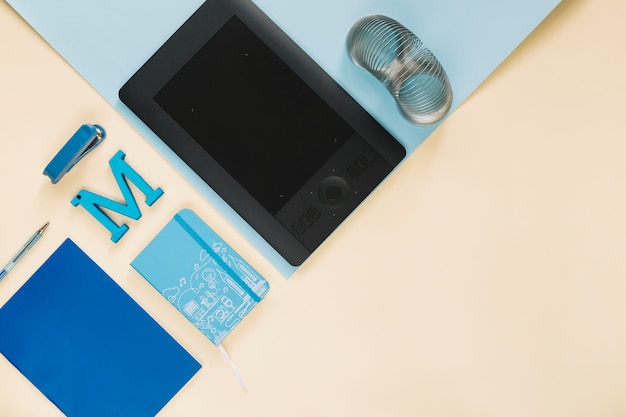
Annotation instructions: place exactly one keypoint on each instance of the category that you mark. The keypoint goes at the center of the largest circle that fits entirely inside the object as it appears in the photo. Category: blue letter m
(94, 203)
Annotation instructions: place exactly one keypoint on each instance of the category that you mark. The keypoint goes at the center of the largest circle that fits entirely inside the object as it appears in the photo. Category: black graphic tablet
(262, 124)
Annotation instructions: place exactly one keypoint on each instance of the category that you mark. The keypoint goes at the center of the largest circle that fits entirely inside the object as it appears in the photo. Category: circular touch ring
(409, 70)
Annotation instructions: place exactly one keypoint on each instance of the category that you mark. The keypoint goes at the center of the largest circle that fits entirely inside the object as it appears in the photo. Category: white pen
(23, 251)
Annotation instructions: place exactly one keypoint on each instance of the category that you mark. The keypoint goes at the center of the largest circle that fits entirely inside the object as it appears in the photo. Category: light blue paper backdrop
(106, 41)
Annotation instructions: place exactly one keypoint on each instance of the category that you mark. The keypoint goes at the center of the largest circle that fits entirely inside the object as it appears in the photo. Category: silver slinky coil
(409, 70)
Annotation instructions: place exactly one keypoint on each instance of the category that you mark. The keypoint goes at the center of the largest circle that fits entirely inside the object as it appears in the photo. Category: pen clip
(86, 138)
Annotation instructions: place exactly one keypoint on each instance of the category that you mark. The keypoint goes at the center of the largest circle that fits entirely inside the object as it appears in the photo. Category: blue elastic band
(217, 259)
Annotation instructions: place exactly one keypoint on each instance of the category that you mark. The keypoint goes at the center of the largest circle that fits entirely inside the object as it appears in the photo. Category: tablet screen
(257, 118)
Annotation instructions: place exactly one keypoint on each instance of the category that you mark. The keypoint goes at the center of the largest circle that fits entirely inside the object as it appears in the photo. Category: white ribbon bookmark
(233, 367)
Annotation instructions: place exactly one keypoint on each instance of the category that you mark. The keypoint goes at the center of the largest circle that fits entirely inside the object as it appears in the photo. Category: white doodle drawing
(212, 296)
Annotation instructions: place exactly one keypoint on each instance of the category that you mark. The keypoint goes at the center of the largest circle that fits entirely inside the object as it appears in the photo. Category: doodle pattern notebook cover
(201, 275)
(87, 345)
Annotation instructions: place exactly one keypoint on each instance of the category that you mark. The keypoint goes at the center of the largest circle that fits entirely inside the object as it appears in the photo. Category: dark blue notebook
(87, 345)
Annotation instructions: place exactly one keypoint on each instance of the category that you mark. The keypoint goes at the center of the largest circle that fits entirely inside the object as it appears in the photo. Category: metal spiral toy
(409, 70)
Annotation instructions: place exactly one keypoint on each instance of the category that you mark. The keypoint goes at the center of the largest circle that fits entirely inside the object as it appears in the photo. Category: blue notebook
(201, 275)
(87, 345)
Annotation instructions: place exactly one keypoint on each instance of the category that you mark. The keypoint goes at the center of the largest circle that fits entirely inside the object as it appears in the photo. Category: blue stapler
(86, 138)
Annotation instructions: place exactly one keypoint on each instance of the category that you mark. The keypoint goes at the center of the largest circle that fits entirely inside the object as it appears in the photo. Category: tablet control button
(368, 157)
(354, 172)
(298, 228)
(314, 213)
(361, 164)
(334, 191)
(306, 221)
